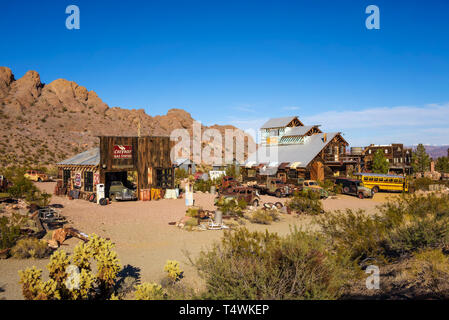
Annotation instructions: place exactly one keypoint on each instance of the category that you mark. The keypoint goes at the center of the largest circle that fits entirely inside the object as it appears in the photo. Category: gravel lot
(145, 240)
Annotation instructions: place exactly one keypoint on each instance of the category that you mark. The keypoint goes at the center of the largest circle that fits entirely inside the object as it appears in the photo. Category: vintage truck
(35, 175)
(354, 187)
(313, 186)
(227, 182)
(250, 195)
(276, 187)
(118, 191)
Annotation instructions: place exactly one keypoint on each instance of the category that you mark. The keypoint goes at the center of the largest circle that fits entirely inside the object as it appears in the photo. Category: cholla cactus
(34, 289)
(173, 270)
(149, 291)
(83, 284)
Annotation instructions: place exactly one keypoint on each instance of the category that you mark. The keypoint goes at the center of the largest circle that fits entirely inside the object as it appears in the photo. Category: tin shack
(143, 160)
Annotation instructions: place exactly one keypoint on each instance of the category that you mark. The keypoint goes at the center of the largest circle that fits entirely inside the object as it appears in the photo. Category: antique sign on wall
(78, 180)
(122, 152)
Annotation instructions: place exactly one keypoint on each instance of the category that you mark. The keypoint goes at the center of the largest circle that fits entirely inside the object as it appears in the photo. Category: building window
(164, 178)
(386, 150)
(88, 181)
(292, 174)
(251, 173)
(66, 177)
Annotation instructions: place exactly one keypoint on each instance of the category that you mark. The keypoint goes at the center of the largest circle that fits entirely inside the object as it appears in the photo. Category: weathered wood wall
(148, 154)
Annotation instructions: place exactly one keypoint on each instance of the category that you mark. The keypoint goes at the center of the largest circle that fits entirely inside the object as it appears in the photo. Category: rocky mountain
(42, 124)
(436, 152)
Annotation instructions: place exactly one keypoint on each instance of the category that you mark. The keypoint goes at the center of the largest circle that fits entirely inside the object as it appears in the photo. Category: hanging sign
(123, 152)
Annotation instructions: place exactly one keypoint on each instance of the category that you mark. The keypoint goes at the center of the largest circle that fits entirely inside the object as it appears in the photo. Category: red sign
(123, 152)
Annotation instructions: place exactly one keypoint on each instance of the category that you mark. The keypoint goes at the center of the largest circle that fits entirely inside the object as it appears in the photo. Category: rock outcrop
(46, 123)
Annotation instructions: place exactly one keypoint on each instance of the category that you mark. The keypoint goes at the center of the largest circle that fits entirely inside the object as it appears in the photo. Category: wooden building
(291, 150)
(147, 156)
(398, 157)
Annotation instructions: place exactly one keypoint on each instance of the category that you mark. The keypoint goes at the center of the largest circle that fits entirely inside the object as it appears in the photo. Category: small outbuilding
(145, 160)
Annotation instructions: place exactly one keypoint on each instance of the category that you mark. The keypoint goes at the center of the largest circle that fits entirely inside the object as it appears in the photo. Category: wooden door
(317, 171)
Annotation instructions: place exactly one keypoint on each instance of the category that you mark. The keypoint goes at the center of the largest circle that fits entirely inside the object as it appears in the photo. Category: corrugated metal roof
(303, 153)
(277, 122)
(87, 158)
(297, 131)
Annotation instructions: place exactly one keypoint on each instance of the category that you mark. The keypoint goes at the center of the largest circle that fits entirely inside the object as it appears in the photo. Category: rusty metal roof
(87, 158)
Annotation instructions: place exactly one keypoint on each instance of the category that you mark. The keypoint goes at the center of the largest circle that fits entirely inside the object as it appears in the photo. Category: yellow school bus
(384, 182)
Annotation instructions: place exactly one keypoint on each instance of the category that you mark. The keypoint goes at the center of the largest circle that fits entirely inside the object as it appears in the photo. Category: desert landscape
(144, 239)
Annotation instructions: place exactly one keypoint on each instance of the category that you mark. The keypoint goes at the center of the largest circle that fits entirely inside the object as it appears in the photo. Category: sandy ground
(145, 240)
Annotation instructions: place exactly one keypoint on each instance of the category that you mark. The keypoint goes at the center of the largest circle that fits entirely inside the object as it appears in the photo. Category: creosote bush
(262, 265)
(403, 225)
(30, 248)
(306, 202)
(263, 216)
(430, 268)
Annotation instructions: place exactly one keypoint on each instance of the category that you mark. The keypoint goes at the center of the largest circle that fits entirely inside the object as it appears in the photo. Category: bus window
(390, 180)
(365, 178)
(370, 179)
(376, 179)
(396, 180)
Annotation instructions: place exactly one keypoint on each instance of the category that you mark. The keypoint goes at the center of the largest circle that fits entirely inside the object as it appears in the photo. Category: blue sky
(242, 62)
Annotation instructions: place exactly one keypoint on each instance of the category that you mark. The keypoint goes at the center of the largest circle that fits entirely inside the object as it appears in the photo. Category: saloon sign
(123, 152)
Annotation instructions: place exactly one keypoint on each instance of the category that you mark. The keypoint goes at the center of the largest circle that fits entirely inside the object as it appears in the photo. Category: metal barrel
(218, 217)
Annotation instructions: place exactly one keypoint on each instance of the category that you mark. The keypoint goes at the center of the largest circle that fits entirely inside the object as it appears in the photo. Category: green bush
(229, 206)
(10, 229)
(306, 202)
(403, 225)
(30, 248)
(421, 183)
(262, 265)
(354, 232)
(263, 216)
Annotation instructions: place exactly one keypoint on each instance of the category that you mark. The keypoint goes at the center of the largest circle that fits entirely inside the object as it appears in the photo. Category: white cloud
(409, 116)
(403, 124)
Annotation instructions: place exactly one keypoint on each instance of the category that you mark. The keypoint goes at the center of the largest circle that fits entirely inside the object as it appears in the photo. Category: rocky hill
(42, 124)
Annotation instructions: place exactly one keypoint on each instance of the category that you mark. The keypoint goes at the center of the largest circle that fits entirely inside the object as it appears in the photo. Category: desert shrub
(354, 232)
(10, 229)
(30, 248)
(242, 204)
(421, 183)
(192, 222)
(193, 212)
(22, 188)
(338, 189)
(262, 265)
(263, 216)
(149, 291)
(174, 272)
(306, 202)
(65, 283)
(430, 269)
(327, 185)
(229, 206)
(203, 185)
(403, 225)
